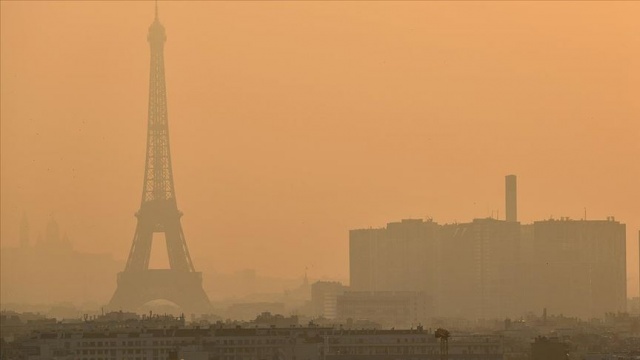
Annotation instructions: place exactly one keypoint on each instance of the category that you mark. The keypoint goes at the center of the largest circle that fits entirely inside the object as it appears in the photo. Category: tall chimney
(511, 196)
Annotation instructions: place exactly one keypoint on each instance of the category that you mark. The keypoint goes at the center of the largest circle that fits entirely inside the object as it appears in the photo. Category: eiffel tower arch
(159, 213)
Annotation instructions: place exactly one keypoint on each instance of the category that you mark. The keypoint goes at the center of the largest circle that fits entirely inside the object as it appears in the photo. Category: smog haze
(294, 122)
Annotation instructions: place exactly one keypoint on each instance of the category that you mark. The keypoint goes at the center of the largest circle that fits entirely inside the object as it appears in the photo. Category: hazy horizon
(293, 122)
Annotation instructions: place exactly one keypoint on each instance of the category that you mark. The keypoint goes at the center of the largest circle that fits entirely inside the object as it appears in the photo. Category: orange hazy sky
(293, 122)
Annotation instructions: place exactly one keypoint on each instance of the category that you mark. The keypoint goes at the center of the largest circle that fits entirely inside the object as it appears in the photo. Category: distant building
(26, 273)
(470, 270)
(53, 241)
(16, 325)
(324, 295)
(249, 311)
(52, 234)
(511, 198)
(633, 305)
(267, 319)
(479, 262)
(580, 266)
(402, 309)
(493, 269)
(24, 232)
(401, 257)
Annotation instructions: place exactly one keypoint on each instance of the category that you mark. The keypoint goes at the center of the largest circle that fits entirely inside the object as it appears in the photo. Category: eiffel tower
(159, 213)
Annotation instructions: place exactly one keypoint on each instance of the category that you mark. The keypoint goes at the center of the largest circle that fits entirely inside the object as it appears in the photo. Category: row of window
(125, 343)
(353, 350)
(127, 351)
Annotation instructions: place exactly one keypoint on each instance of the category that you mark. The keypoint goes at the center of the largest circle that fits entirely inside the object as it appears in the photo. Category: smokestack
(511, 196)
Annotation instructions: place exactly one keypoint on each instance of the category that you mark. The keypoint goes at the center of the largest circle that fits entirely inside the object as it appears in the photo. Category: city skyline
(277, 158)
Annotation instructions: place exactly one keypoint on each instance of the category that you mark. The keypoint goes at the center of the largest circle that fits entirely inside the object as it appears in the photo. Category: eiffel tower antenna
(156, 9)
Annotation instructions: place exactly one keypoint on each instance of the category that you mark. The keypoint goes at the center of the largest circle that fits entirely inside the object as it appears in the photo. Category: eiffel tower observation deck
(159, 213)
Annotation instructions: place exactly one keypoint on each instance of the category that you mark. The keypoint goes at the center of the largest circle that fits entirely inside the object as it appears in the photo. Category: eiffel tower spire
(158, 208)
(158, 175)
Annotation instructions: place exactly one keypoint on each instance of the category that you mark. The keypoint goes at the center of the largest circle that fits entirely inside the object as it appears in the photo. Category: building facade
(324, 298)
(493, 269)
(401, 257)
(402, 309)
(580, 266)
(308, 343)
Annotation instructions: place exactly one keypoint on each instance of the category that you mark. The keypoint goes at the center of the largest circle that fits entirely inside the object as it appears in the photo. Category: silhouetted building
(324, 295)
(24, 232)
(480, 266)
(267, 319)
(492, 269)
(511, 198)
(52, 240)
(580, 266)
(401, 257)
(62, 274)
(249, 311)
(527, 270)
(470, 270)
(402, 309)
(52, 233)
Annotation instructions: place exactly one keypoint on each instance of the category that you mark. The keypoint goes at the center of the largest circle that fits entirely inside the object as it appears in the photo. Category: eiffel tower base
(136, 288)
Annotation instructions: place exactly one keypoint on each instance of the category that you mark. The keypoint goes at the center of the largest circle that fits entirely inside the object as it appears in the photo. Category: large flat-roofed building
(400, 257)
(480, 272)
(580, 266)
(493, 269)
(363, 258)
(469, 270)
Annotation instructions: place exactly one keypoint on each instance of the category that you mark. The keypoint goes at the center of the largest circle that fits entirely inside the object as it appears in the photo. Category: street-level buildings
(300, 343)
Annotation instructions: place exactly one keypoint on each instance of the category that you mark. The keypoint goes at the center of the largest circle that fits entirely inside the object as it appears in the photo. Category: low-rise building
(308, 343)
(402, 309)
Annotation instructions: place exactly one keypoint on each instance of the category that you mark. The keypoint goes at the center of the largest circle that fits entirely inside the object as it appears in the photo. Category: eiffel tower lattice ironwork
(159, 213)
